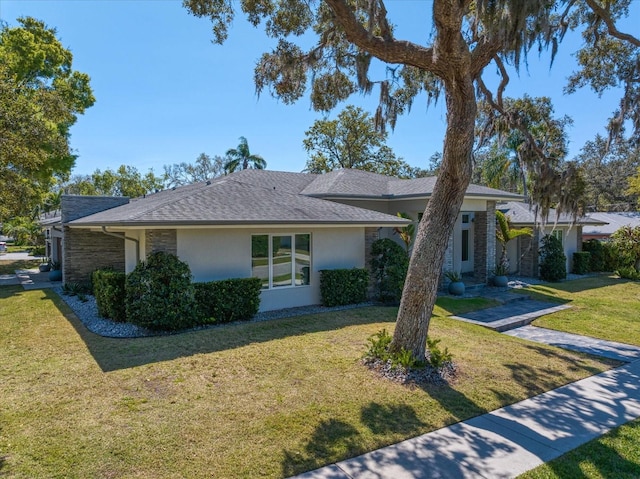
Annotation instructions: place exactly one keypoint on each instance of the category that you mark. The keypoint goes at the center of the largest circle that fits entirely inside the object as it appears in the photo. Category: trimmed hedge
(160, 295)
(581, 262)
(343, 286)
(228, 300)
(109, 291)
(597, 251)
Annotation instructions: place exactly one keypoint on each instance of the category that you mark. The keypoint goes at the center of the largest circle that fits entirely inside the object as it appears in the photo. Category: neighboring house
(522, 252)
(307, 223)
(611, 223)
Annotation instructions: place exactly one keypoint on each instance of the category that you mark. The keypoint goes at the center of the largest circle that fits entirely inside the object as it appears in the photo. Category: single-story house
(309, 223)
(522, 252)
(611, 222)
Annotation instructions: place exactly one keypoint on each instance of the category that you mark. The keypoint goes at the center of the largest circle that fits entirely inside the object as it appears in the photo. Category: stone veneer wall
(370, 236)
(85, 251)
(579, 238)
(161, 240)
(484, 242)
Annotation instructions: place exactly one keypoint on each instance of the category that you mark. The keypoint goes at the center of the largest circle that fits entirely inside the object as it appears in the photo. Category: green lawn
(601, 307)
(615, 455)
(267, 399)
(9, 267)
(608, 308)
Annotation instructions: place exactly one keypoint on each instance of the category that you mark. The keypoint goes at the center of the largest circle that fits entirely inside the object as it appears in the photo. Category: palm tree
(505, 233)
(242, 157)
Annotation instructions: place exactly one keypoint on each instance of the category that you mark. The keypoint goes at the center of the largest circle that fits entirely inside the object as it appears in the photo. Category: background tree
(609, 58)
(352, 141)
(241, 158)
(204, 168)
(41, 96)
(506, 157)
(125, 181)
(466, 37)
(609, 171)
(626, 240)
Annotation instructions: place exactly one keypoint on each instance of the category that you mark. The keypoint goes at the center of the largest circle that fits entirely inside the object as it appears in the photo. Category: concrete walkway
(514, 314)
(514, 439)
(575, 342)
(509, 441)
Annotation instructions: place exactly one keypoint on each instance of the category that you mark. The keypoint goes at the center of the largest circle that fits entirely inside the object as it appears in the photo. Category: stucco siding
(215, 254)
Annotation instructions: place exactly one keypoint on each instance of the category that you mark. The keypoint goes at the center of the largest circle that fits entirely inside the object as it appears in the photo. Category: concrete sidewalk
(508, 441)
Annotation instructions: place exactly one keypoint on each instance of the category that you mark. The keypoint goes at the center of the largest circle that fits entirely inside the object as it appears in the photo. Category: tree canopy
(125, 181)
(41, 97)
(352, 141)
(204, 168)
(465, 37)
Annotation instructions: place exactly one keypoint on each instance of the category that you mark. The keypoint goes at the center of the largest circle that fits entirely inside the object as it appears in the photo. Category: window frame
(270, 285)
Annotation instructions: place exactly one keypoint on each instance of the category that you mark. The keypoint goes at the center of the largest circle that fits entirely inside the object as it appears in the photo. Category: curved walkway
(514, 439)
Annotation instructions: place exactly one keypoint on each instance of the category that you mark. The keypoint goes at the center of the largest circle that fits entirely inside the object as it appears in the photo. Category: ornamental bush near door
(553, 262)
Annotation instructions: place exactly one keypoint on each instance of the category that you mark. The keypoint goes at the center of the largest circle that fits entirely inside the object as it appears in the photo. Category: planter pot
(55, 275)
(44, 267)
(456, 288)
(500, 281)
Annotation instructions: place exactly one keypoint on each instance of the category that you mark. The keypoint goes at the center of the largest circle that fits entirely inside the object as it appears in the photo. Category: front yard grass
(10, 266)
(601, 307)
(264, 399)
(614, 455)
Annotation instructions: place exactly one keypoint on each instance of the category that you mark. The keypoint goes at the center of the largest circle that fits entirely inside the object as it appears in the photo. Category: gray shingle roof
(229, 201)
(614, 222)
(273, 197)
(522, 214)
(363, 184)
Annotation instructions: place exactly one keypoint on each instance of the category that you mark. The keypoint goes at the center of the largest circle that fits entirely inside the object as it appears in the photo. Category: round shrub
(389, 263)
(553, 262)
(160, 295)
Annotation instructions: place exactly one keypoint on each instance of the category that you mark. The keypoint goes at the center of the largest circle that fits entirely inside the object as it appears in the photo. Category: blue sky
(165, 93)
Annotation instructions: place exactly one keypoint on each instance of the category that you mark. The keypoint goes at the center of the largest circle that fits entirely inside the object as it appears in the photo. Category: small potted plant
(44, 267)
(500, 275)
(55, 274)
(456, 286)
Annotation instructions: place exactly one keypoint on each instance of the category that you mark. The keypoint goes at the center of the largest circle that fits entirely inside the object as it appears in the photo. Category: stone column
(161, 240)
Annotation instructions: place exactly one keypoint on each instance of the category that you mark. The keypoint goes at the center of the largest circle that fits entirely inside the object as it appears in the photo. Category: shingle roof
(614, 222)
(363, 184)
(232, 201)
(270, 197)
(522, 214)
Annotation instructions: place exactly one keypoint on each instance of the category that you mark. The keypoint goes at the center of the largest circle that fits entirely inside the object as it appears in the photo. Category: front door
(463, 243)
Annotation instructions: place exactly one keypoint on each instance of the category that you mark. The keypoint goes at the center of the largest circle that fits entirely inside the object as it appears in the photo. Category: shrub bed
(581, 262)
(109, 291)
(553, 262)
(596, 249)
(227, 300)
(343, 286)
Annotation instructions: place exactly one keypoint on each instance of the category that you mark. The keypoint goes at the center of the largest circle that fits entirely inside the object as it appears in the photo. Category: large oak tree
(465, 38)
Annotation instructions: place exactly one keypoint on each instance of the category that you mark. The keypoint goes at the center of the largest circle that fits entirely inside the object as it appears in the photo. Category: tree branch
(388, 50)
(611, 26)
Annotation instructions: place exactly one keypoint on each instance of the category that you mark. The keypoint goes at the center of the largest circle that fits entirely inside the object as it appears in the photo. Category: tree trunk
(425, 267)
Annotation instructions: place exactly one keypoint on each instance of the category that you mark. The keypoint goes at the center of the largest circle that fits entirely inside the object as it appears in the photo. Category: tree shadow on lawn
(112, 354)
(601, 457)
(333, 440)
(465, 448)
